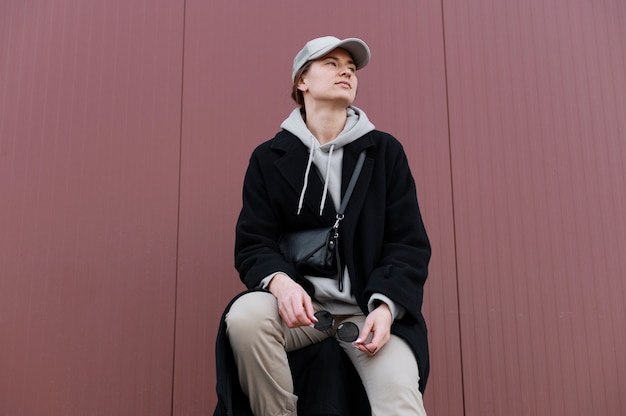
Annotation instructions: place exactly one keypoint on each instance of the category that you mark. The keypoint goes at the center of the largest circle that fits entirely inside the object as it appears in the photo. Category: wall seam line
(180, 169)
(454, 222)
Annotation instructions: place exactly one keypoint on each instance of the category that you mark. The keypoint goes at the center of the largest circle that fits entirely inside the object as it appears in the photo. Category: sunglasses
(346, 331)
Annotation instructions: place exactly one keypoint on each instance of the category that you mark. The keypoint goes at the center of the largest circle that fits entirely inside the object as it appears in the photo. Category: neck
(326, 124)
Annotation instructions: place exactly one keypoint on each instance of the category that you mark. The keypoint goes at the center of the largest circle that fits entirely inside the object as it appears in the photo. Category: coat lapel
(350, 155)
(292, 166)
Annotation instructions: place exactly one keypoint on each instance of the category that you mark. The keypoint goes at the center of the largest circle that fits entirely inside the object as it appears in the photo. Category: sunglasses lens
(347, 332)
(324, 320)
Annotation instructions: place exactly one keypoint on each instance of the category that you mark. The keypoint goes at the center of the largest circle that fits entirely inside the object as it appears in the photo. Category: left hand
(378, 324)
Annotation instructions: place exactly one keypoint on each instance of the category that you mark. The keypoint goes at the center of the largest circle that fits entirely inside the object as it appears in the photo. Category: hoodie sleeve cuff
(267, 279)
(397, 311)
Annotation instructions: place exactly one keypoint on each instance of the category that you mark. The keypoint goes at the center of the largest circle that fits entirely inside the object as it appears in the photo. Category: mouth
(344, 84)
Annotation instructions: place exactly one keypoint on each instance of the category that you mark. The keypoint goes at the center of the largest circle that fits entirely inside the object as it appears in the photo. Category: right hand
(294, 304)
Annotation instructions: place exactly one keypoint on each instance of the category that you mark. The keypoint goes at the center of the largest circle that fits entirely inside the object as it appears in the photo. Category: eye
(331, 63)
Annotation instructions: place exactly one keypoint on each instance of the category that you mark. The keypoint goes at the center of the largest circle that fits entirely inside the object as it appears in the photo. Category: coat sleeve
(402, 269)
(257, 254)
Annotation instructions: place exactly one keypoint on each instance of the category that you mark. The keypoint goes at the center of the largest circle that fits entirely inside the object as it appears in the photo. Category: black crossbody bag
(316, 252)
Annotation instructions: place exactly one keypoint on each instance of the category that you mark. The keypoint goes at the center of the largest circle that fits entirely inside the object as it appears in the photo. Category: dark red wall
(125, 130)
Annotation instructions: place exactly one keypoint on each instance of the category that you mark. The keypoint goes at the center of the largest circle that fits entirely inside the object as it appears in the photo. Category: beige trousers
(260, 342)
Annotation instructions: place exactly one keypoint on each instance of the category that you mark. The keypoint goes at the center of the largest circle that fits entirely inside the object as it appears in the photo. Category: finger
(289, 310)
(287, 315)
(309, 310)
(369, 349)
(303, 311)
(365, 332)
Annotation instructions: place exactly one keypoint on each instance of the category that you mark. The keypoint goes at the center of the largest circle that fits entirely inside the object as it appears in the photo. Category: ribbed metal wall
(125, 130)
(90, 109)
(538, 146)
(236, 94)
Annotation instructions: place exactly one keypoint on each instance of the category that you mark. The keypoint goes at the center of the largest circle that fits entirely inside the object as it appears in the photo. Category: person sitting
(296, 181)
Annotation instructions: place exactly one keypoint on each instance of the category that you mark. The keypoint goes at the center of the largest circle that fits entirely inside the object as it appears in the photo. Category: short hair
(296, 94)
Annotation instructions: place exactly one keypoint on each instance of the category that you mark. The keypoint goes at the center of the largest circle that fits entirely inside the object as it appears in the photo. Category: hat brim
(358, 49)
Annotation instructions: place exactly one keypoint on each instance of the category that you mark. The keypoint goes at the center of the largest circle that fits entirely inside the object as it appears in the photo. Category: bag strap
(352, 183)
(340, 216)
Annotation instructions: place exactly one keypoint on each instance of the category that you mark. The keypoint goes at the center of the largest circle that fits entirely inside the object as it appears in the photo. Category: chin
(346, 101)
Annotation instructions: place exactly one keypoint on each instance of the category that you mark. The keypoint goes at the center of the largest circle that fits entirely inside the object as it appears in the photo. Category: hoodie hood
(327, 158)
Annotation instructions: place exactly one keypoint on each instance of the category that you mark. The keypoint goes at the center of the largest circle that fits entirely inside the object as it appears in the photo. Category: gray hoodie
(328, 159)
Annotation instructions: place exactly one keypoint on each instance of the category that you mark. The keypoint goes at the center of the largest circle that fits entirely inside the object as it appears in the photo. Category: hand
(294, 304)
(378, 323)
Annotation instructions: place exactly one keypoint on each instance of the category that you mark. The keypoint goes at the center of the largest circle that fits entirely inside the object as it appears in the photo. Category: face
(331, 78)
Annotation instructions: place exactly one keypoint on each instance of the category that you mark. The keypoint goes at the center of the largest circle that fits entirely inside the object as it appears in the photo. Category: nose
(345, 71)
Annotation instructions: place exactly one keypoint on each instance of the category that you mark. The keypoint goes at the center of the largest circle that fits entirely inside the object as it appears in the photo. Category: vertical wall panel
(536, 97)
(109, 293)
(236, 94)
(89, 140)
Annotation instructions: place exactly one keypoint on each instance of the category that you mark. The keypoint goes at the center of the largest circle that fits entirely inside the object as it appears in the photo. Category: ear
(302, 85)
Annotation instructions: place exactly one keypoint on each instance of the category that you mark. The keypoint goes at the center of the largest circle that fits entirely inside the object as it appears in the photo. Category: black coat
(384, 243)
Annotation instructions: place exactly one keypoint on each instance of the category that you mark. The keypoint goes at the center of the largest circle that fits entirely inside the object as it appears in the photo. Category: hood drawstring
(326, 179)
(306, 174)
(357, 125)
